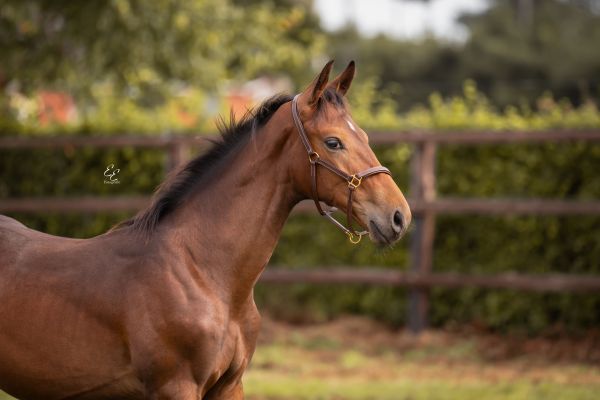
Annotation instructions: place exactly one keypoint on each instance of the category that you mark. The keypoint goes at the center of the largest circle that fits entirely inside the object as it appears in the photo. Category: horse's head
(344, 172)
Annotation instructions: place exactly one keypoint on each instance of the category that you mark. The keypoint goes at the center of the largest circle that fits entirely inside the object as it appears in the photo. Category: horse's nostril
(398, 221)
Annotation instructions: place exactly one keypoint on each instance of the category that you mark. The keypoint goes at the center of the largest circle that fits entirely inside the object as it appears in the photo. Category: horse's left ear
(343, 81)
(314, 91)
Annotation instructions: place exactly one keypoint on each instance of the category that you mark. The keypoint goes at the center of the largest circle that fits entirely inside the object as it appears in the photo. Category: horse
(161, 306)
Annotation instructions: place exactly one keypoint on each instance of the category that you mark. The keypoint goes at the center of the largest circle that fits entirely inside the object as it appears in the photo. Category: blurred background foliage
(144, 47)
(166, 66)
(516, 51)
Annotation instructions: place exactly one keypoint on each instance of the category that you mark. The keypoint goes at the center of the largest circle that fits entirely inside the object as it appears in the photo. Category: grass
(274, 386)
(283, 372)
(357, 359)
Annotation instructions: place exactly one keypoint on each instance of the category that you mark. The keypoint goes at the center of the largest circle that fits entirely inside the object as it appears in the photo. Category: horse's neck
(232, 224)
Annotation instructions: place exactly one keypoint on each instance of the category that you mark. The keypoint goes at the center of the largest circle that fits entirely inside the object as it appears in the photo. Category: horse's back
(17, 240)
(7, 222)
(11, 238)
(25, 252)
(14, 241)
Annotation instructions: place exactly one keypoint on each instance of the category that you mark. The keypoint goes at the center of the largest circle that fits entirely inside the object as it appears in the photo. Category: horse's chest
(232, 354)
(237, 341)
(222, 344)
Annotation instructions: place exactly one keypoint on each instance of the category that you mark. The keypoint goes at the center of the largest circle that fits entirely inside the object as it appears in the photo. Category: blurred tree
(516, 50)
(138, 45)
(407, 70)
(520, 48)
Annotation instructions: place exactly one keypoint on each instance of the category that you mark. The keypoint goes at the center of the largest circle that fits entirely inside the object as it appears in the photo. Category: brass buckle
(354, 239)
(313, 157)
(354, 182)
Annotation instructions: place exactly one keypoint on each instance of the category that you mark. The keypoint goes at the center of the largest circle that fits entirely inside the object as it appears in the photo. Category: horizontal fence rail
(425, 205)
(376, 276)
(479, 137)
(74, 204)
(441, 206)
(377, 138)
(147, 141)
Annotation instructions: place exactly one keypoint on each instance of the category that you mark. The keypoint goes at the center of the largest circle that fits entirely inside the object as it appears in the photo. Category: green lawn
(284, 372)
(278, 386)
(357, 359)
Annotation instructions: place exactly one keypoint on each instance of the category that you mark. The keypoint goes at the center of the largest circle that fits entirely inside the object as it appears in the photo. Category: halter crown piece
(354, 180)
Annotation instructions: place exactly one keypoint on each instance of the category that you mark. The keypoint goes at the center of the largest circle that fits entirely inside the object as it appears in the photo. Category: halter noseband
(354, 180)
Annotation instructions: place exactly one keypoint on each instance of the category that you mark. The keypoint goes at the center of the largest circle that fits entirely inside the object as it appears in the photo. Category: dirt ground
(370, 336)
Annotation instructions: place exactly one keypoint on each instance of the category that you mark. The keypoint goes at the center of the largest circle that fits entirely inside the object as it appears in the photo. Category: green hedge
(471, 244)
(482, 244)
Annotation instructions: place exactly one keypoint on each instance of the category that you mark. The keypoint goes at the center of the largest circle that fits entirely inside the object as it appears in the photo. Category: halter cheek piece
(354, 180)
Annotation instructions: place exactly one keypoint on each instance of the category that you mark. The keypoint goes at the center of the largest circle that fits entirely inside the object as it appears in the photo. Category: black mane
(176, 187)
(172, 191)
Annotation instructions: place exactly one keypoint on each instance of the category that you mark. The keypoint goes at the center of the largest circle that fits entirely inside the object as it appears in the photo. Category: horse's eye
(333, 143)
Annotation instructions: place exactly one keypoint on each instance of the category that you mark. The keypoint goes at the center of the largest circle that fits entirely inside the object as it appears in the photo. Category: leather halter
(354, 180)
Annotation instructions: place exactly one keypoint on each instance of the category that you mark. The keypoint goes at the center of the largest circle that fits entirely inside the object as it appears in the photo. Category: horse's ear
(342, 82)
(314, 91)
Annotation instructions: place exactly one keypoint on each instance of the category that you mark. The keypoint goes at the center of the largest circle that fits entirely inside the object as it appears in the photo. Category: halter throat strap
(353, 181)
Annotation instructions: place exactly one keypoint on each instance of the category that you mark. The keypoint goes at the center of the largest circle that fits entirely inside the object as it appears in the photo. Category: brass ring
(352, 239)
(354, 182)
(313, 157)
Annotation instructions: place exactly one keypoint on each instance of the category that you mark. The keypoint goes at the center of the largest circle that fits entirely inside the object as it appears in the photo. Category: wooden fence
(424, 203)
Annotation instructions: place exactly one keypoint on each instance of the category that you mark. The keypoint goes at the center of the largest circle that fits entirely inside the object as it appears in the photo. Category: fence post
(177, 154)
(422, 188)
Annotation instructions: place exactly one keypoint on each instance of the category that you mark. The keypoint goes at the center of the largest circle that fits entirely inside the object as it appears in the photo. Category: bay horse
(161, 306)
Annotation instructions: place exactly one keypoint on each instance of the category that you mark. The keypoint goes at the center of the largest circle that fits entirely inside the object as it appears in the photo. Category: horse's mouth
(377, 235)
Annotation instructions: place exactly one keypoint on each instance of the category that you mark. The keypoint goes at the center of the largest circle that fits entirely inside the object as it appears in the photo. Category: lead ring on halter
(354, 180)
